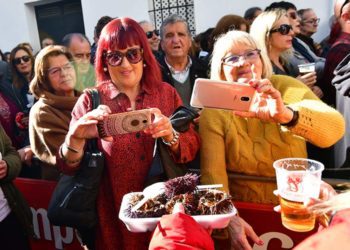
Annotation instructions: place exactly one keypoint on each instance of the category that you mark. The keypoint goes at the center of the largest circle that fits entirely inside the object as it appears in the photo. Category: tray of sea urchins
(212, 208)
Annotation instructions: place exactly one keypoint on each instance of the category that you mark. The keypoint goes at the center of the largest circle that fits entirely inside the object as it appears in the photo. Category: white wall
(208, 12)
(18, 22)
(94, 9)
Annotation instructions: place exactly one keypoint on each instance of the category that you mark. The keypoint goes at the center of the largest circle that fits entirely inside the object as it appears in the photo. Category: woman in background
(22, 68)
(53, 86)
(274, 33)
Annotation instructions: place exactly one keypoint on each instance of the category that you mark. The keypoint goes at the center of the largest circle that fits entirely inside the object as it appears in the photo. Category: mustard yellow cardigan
(249, 146)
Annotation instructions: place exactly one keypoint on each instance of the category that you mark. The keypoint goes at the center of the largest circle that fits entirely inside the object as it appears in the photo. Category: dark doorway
(57, 19)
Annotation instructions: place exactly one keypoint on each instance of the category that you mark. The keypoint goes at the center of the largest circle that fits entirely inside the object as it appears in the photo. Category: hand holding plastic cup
(297, 180)
(306, 68)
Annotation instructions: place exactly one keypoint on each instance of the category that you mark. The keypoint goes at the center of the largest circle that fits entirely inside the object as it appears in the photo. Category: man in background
(79, 46)
(178, 68)
(308, 27)
(47, 42)
(152, 35)
(97, 32)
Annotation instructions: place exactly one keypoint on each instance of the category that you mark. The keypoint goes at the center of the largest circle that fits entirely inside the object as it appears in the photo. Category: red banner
(265, 222)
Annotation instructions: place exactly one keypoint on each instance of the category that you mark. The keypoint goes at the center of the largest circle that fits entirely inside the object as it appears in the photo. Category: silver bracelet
(174, 140)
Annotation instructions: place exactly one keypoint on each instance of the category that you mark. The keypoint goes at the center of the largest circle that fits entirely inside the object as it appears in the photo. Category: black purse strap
(95, 99)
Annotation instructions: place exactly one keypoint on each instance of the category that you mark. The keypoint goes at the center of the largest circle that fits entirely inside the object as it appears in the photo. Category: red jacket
(181, 232)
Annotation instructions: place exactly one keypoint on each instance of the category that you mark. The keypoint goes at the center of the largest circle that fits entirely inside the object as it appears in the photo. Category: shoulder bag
(73, 202)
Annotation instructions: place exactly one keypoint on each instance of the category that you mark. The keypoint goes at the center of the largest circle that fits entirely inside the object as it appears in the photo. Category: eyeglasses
(342, 7)
(18, 60)
(57, 71)
(250, 55)
(284, 29)
(149, 34)
(292, 15)
(312, 21)
(116, 58)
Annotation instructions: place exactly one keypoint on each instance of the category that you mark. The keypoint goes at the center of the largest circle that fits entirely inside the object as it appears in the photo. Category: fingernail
(261, 242)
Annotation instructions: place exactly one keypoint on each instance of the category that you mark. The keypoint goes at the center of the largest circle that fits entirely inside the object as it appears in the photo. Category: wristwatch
(174, 140)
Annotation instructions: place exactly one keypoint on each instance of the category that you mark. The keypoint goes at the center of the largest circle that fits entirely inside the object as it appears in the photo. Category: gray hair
(173, 18)
(226, 42)
(67, 39)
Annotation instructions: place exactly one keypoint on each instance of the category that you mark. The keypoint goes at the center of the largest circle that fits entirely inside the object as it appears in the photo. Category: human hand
(308, 79)
(26, 155)
(3, 169)
(85, 127)
(239, 230)
(161, 126)
(269, 105)
(317, 91)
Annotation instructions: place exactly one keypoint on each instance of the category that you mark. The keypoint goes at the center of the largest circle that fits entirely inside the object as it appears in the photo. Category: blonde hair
(338, 202)
(225, 43)
(40, 82)
(262, 26)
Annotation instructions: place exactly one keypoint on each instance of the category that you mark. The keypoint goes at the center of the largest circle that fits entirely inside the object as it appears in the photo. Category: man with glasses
(308, 27)
(79, 46)
(152, 35)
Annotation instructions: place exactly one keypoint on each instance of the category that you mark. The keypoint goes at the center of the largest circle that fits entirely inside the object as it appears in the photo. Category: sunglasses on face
(250, 55)
(284, 29)
(116, 58)
(312, 21)
(18, 60)
(149, 34)
(292, 15)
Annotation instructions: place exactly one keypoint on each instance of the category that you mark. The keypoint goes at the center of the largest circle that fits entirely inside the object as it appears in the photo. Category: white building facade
(18, 18)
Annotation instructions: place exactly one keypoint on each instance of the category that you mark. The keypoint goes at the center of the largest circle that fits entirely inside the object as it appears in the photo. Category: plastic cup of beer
(306, 68)
(297, 180)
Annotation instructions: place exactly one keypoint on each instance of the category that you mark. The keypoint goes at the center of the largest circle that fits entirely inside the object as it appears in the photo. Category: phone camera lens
(245, 98)
(135, 123)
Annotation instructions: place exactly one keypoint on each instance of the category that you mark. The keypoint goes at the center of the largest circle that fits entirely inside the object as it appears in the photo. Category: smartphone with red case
(126, 122)
(222, 95)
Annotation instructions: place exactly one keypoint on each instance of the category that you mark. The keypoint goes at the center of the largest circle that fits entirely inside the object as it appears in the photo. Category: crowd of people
(46, 115)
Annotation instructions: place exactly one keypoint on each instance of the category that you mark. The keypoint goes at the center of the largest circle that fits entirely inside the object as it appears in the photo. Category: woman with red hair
(128, 79)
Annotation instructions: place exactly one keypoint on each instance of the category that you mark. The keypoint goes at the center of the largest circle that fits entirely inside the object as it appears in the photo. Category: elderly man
(178, 68)
(79, 46)
(308, 27)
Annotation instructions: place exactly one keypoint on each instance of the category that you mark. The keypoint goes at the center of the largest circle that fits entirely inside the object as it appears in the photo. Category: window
(161, 9)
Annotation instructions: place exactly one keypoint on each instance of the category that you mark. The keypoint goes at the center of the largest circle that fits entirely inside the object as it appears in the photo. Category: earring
(144, 65)
(105, 69)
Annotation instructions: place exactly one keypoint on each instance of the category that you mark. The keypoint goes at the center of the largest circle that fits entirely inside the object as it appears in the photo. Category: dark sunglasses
(116, 58)
(18, 60)
(149, 34)
(284, 29)
(342, 7)
(293, 15)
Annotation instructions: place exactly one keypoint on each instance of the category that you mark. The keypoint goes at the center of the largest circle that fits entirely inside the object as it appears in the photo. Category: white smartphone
(222, 95)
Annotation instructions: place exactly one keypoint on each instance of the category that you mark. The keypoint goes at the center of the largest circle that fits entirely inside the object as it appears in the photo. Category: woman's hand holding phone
(268, 105)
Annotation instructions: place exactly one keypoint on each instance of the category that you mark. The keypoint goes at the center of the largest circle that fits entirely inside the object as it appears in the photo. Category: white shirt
(180, 76)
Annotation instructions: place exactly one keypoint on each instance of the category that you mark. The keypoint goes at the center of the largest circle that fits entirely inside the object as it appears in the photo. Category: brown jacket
(48, 125)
